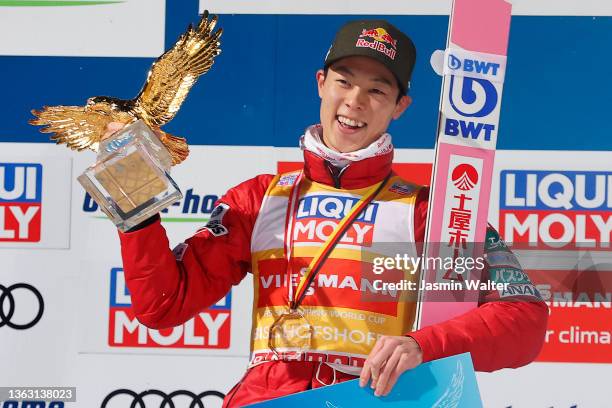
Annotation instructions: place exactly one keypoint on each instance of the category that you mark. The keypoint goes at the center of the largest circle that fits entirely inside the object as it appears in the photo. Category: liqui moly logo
(318, 216)
(556, 209)
(20, 201)
(210, 328)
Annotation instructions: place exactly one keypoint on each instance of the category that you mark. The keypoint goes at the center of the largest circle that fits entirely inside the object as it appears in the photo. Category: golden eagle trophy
(130, 179)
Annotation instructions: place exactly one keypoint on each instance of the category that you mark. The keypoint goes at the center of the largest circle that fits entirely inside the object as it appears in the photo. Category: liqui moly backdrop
(20, 205)
(556, 209)
(473, 70)
(210, 328)
(34, 198)
(560, 222)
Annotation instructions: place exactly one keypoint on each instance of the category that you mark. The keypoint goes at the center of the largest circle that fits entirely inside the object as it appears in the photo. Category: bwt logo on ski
(557, 208)
(473, 100)
(472, 65)
(20, 201)
(190, 204)
(317, 217)
(208, 329)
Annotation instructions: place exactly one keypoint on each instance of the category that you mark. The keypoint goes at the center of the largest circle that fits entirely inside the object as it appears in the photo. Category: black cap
(376, 39)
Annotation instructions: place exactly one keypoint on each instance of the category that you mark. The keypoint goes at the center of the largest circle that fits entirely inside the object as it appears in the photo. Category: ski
(473, 68)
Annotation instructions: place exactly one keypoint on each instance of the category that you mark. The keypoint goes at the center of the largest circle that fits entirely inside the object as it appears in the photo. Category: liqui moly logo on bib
(556, 209)
(318, 216)
(20, 201)
(210, 328)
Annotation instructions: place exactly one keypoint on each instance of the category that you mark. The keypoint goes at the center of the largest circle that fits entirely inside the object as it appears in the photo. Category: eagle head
(108, 104)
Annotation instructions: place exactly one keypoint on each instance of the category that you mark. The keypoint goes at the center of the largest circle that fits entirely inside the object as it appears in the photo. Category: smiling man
(301, 234)
(359, 98)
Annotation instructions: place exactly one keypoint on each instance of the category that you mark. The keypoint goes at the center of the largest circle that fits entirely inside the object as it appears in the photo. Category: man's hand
(390, 357)
(114, 127)
(111, 128)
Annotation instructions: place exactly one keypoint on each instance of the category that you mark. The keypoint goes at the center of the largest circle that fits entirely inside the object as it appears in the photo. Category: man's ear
(320, 80)
(401, 105)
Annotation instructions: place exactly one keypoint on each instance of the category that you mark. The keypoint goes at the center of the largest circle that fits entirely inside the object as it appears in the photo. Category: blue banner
(448, 382)
(262, 90)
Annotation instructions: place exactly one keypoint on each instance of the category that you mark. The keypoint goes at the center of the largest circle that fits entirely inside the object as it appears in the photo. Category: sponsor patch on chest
(402, 188)
(318, 216)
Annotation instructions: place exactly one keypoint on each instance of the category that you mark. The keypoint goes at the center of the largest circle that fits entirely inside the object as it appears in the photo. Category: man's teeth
(350, 122)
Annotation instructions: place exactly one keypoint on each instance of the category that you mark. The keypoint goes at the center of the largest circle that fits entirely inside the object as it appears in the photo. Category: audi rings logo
(176, 399)
(8, 305)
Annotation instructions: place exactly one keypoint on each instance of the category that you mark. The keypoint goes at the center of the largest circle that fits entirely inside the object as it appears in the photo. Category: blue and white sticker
(215, 223)
(502, 258)
(473, 64)
(287, 180)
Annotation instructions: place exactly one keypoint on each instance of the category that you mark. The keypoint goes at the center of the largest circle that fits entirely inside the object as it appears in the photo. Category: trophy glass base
(131, 181)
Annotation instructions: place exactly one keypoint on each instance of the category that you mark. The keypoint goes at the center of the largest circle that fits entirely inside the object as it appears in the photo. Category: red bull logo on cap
(380, 37)
(380, 34)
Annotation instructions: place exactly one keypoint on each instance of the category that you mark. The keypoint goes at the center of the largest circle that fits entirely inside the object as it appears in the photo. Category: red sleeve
(420, 214)
(169, 287)
(498, 333)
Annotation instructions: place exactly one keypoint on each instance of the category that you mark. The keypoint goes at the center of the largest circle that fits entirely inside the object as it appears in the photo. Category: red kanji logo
(465, 177)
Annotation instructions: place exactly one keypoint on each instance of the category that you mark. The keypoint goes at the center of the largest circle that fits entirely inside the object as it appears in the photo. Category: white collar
(312, 140)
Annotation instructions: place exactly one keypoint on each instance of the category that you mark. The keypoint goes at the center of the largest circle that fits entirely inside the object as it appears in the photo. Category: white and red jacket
(246, 234)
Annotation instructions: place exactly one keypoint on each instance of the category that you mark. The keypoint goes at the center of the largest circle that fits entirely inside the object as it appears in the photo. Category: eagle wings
(168, 82)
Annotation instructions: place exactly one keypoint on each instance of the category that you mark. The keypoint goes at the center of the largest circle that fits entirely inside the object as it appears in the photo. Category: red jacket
(169, 288)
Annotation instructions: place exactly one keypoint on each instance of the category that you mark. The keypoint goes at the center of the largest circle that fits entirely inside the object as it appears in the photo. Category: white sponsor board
(519, 7)
(47, 354)
(542, 160)
(547, 385)
(107, 327)
(35, 183)
(69, 346)
(108, 374)
(205, 176)
(73, 330)
(128, 28)
(545, 183)
(42, 349)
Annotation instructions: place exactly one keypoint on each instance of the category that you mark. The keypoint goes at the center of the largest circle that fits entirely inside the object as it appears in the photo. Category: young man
(267, 226)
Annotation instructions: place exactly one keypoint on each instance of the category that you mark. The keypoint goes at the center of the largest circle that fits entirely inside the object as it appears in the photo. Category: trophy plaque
(131, 180)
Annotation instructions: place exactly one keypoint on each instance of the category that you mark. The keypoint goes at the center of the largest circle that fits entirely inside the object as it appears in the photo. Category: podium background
(244, 118)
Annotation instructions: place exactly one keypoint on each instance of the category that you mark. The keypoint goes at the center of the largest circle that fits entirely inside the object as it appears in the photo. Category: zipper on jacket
(335, 173)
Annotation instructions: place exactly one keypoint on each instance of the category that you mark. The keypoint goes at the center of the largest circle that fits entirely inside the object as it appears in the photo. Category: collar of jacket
(358, 174)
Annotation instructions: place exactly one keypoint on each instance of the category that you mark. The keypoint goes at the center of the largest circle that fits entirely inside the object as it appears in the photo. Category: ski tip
(481, 25)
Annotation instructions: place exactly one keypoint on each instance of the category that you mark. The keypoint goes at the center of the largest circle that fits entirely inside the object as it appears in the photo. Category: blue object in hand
(446, 383)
